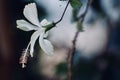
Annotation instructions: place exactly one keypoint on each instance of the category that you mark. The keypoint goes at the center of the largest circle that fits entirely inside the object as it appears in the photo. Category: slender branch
(71, 56)
(63, 13)
(82, 17)
(71, 52)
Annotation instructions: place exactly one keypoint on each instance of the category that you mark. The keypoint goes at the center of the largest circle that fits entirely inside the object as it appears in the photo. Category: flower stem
(63, 13)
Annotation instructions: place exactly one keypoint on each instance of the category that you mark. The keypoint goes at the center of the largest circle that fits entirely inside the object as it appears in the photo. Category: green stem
(63, 13)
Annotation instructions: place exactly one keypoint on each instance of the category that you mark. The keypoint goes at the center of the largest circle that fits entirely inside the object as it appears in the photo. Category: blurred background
(97, 55)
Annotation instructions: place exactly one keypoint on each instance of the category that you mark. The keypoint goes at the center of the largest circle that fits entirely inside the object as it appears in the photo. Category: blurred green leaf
(80, 27)
(65, 79)
(75, 3)
(61, 69)
(74, 15)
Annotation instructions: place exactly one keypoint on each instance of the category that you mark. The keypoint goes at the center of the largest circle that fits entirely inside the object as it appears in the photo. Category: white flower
(30, 12)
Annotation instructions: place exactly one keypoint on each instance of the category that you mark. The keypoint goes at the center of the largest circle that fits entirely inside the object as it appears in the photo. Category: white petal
(26, 26)
(44, 22)
(30, 12)
(34, 37)
(46, 45)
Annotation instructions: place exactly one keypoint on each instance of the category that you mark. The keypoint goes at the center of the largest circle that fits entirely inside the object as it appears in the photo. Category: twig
(71, 56)
(82, 17)
(71, 52)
